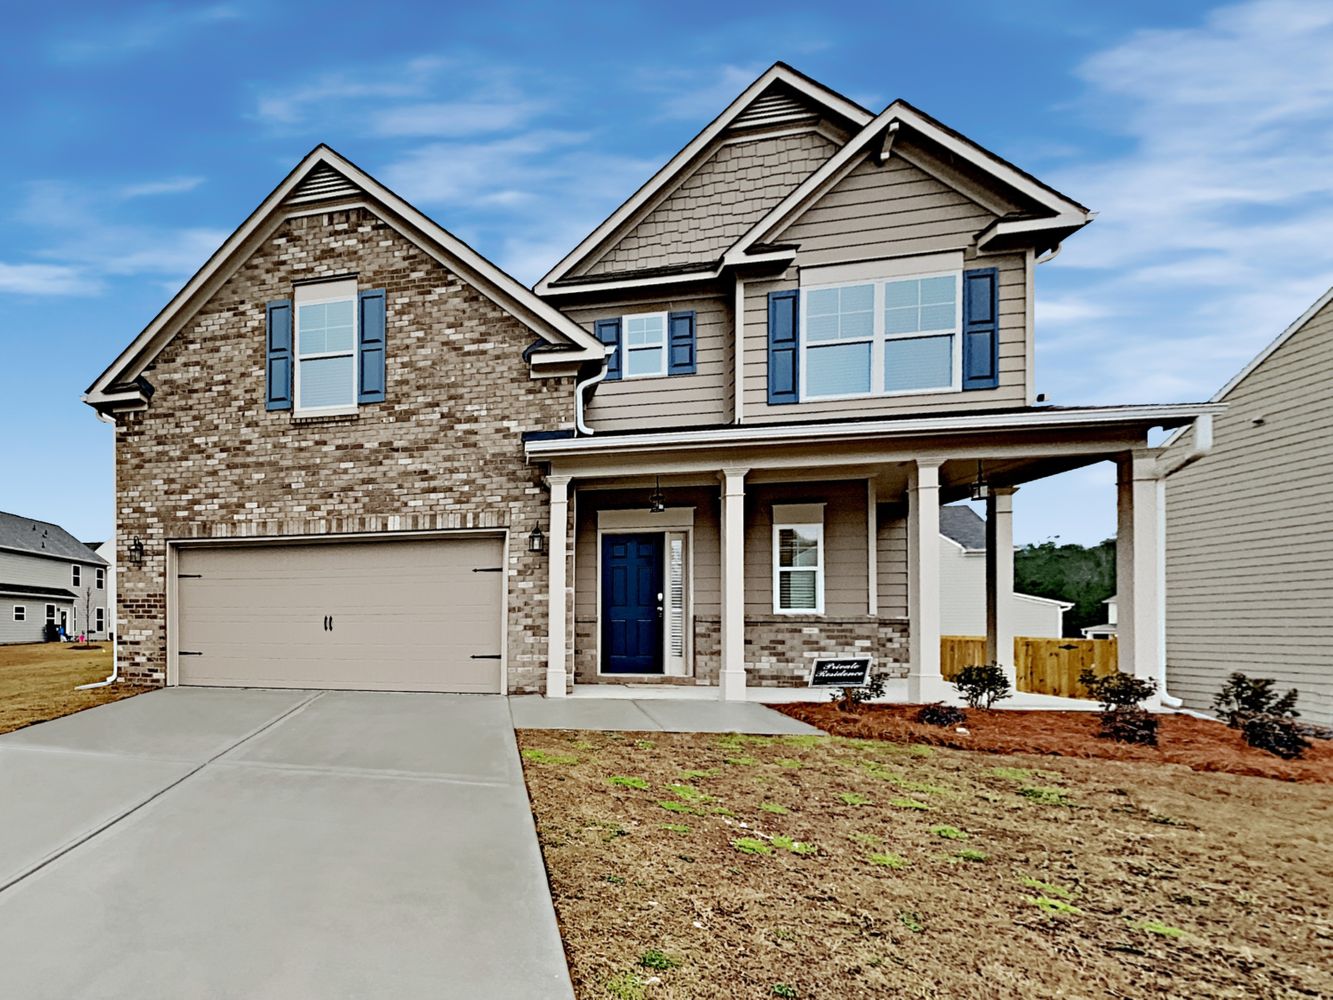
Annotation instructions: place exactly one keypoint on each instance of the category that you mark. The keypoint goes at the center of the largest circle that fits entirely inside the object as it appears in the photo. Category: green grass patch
(869, 839)
(921, 787)
(795, 846)
(774, 808)
(675, 828)
(788, 762)
(971, 855)
(751, 845)
(912, 921)
(712, 772)
(1012, 773)
(908, 804)
(783, 990)
(1046, 888)
(1058, 906)
(688, 793)
(805, 739)
(948, 832)
(627, 781)
(854, 798)
(888, 860)
(1157, 927)
(658, 960)
(542, 757)
(644, 744)
(625, 986)
(613, 879)
(1044, 796)
(676, 807)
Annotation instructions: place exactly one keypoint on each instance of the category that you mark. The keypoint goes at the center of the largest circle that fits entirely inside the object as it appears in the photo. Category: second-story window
(645, 345)
(326, 376)
(75, 576)
(101, 578)
(881, 337)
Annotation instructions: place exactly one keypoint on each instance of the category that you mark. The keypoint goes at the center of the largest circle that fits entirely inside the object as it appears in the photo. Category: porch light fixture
(657, 502)
(136, 551)
(981, 488)
(537, 540)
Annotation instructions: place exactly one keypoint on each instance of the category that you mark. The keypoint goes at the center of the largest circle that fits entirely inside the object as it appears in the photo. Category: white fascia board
(803, 85)
(1024, 227)
(632, 283)
(723, 437)
(1033, 598)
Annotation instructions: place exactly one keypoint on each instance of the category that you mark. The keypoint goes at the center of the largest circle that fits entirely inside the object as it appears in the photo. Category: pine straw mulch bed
(729, 866)
(1199, 744)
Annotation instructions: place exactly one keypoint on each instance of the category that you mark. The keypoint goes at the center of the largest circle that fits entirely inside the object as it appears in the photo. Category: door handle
(330, 623)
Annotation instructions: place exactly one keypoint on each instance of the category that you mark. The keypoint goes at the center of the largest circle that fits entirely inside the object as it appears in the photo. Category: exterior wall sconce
(981, 488)
(136, 551)
(537, 540)
(657, 502)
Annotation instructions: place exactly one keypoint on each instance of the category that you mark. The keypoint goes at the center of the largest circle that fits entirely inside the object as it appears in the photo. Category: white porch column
(1136, 559)
(1000, 580)
(557, 651)
(731, 679)
(924, 682)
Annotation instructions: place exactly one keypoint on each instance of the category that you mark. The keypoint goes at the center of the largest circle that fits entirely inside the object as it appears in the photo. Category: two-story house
(709, 446)
(49, 576)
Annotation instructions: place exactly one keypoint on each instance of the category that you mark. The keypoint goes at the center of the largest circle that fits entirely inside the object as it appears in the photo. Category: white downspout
(1200, 446)
(115, 632)
(580, 390)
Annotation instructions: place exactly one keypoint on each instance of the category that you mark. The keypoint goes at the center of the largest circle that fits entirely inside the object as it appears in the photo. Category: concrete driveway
(195, 843)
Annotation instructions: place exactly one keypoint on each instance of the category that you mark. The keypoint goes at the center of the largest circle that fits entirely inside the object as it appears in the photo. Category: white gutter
(1200, 446)
(580, 391)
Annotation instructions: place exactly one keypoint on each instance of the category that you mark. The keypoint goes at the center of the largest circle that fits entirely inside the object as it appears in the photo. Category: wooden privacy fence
(1042, 666)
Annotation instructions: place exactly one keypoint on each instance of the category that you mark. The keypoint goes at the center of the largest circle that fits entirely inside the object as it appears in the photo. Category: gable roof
(43, 538)
(1259, 359)
(1053, 210)
(776, 96)
(322, 175)
(962, 524)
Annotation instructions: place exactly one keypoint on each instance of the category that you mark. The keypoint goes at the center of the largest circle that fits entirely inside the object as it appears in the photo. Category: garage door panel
(406, 615)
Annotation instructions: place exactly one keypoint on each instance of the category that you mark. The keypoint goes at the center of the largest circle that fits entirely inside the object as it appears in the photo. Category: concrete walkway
(651, 714)
(283, 844)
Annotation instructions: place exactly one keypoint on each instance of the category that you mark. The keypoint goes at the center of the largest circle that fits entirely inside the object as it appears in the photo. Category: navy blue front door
(632, 604)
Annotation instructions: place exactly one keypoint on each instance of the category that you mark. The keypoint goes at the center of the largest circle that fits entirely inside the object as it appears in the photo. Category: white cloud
(330, 93)
(1213, 221)
(44, 279)
(454, 118)
(697, 94)
(124, 34)
(148, 189)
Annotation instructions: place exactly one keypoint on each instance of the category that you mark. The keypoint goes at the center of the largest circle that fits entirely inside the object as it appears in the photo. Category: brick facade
(444, 451)
(779, 648)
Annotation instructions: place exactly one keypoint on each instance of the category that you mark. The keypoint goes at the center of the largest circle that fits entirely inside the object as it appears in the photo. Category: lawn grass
(37, 682)
(811, 881)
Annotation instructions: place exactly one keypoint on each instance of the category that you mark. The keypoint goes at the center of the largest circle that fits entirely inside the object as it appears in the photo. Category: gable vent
(322, 182)
(774, 107)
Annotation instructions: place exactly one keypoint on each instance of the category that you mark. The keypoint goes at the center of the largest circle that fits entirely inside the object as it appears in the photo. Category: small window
(326, 347)
(20, 613)
(798, 568)
(51, 614)
(101, 578)
(75, 575)
(645, 345)
(101, 620)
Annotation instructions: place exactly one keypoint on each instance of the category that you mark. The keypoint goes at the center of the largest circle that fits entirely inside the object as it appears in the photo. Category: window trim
(76, 575)
(879, 337)
(664, 347)
(100, 577)
(297, 357)
(778, 569)
(51, 614)
(20, 612)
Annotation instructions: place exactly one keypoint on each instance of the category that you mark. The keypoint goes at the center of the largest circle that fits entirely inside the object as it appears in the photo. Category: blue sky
(141, 135)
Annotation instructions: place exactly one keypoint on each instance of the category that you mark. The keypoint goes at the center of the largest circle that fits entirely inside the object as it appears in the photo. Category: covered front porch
(722, 563)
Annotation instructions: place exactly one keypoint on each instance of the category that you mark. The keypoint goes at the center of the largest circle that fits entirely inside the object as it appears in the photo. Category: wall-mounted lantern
(981, 488)
(537, 540)
(657, 502)
(136, 551)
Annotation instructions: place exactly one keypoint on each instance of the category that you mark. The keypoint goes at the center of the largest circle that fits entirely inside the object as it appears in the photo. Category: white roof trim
(1062, 605)
(541, 317)
(668, 280)
(775, 73)
(899, 112)
(768, 434)
(1261, 357)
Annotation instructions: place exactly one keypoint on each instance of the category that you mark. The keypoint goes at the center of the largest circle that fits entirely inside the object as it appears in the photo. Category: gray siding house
(47, 575)
(1249, 554)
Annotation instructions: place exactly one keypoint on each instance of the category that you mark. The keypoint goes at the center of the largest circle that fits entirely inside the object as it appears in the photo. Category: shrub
(939, 714)
(1278, 734)
(850, 697)
(1242, 697)
(982, 687)
(1123, 718)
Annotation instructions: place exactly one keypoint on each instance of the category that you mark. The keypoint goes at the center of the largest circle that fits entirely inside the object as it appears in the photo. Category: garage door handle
(187, 652)
(485, 656)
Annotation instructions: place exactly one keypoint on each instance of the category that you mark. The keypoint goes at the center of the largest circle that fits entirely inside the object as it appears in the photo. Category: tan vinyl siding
(1249, 551)
(846, 561)
(1012, 390)
(891, 562)
(668, 400)
(715, 205)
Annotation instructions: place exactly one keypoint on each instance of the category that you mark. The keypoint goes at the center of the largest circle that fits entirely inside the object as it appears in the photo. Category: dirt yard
(1199, 744)
(739, 867)
(37, 682)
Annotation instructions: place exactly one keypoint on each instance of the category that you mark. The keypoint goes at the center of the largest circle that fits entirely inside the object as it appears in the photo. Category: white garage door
(396, 616)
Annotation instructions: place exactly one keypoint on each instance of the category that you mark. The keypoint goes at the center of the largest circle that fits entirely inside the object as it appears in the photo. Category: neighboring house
(963, 583)
(48, 575)
(107, 550)
(710, 446)
(1249, 571)
(1104, 631)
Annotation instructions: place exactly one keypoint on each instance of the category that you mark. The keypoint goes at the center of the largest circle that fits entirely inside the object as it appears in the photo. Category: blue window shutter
(278, 359)
(784, 341)
(608, 332)
(981, 329)
(370, 388)
(680, 343)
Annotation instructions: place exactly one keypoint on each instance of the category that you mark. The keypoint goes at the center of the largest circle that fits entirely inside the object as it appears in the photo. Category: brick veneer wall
(444, 451)
(779, 648)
